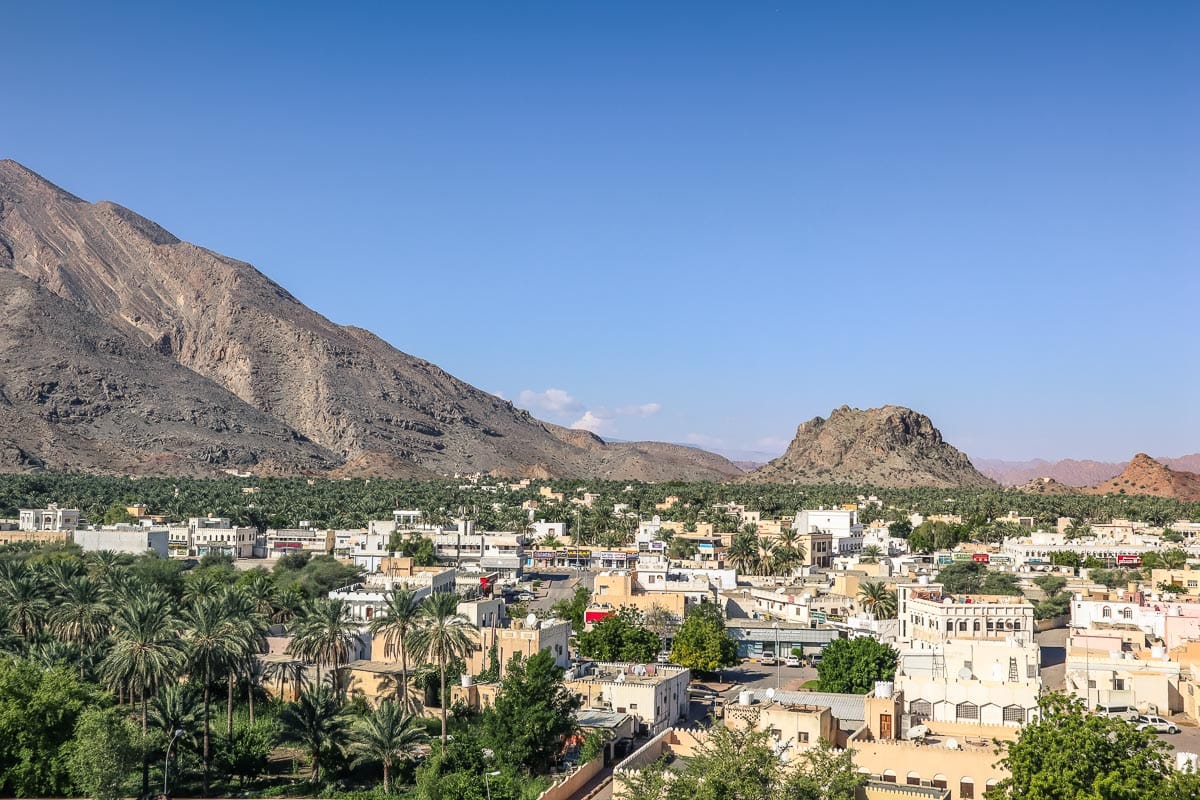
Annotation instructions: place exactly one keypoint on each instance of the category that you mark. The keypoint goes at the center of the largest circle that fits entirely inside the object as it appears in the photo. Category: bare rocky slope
(890, 446)
(1144, 475)
(78, 395)
(342, 388)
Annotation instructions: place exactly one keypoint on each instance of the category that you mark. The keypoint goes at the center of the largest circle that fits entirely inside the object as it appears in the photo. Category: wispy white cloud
(598, 422)
(643, 410)
(552, 401)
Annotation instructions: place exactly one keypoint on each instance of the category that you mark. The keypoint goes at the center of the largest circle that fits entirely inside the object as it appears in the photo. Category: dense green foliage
(853, 665)
(1069, 754)
(533, 713)
(620, 637)
(741, 764)
(283, 502)
(968, 577)
(702, 644)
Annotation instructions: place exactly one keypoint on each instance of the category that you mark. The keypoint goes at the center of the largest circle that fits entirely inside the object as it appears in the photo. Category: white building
(842, 524)
(960, 680)
(133, 539)
(1123, 549)
(655, 694)
(51, 518)
(368, 598)
(486, 551)
(929, 616)
(305, 539)
(218, 536)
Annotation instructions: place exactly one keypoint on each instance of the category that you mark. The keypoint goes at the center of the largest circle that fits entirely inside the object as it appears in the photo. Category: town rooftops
(599, 719)
(936, 595)
(848, 709)
(635, 674)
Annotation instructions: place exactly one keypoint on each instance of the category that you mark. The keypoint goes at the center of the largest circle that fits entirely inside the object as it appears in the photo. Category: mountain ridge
(341, 387)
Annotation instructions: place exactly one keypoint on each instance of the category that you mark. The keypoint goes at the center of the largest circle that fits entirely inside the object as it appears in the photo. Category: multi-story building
(929, 616)
(503, 553)
(10, 535)
(960, 680)
(524, 637)
(1112, 668)
(51, 518)
(655, 694)
(1123, 549)
(305, 539)
(818, 548)
(1172, 622)
(672, 591)
(841, 523)
(218, 536)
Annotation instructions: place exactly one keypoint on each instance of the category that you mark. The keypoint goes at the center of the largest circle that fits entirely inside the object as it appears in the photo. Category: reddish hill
(1144, 475)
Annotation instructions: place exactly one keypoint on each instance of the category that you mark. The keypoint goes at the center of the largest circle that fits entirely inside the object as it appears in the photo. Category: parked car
(791, 661)
(664, 657)
(767, 659)
(814, 659)
(1120, 712)
(1157, 724)
(525, 597)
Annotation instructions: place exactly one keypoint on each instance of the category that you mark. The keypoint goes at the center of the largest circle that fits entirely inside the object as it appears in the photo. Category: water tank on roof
(745, 697)
(467, 680)
(1158, 651)
(883, 689)
(923, 580)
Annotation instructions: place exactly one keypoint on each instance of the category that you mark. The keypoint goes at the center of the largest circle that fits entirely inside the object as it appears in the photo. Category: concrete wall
(565, 789)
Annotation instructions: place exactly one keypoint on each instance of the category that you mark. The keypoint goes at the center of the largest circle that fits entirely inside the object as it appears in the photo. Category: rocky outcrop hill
(1070, 471)
(339, 392)
(1144, 475)
(889, 446)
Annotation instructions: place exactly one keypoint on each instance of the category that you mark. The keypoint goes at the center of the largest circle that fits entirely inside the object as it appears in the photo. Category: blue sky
(700, 222)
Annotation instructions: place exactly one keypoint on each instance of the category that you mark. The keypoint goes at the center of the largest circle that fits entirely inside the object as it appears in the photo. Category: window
(889, 776)
(966, 789)
(1127, 613)
(967, 711)
(921, 708)
(1014, 714)
(1119, 684)
(633, 706)
(1106, 612)
(940, 781)
(962, 625)
(913, 779)
(802, 737)
(975, 627)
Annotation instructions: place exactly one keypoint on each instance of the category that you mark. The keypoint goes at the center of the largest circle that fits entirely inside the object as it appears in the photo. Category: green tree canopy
(103, 753)
(1069, 754)
(701, 643)
(620, 637)
(853, 665)
(532, 714)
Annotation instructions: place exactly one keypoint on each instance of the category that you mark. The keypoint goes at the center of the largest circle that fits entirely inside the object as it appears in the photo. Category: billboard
(1132, 561)
(944, 558)
(962, 557)
(980, 558)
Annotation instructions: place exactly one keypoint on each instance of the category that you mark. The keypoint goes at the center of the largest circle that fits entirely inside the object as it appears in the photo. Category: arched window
(1014, 714)
(913, 779)
(1106, 612)
(1017, 625)
(976, 626)
(991, 626)
(966, 788)
(889, 776)
(940, 781)
(990, 783)
(921, 708)
(962, 625)
(966, 711)
(1127, 613)
(370, 612)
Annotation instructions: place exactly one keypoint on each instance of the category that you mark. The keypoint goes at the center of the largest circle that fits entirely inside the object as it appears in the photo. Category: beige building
(280, 542)
(930, 616)
(675, 593)
(817, 547)
(34, 537)
(792, 725)
(521, 637)
(961, 680)
(656, 694)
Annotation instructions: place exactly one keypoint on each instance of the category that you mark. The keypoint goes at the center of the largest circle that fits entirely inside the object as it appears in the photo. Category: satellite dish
(531, 621)
(952, 744)
(964, 673)
(770, 694)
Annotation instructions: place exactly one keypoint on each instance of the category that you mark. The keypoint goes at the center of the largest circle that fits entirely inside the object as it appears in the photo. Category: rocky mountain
(1144, 475)
(1069, 471)
(1047, 486)
(889, 446)
(77, 394)
(339, 392)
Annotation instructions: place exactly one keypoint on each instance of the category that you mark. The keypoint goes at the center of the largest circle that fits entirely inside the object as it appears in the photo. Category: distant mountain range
(1069, 471)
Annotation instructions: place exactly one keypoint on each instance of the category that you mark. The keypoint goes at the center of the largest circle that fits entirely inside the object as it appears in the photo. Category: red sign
(980, 558)
(596, 616)
(1131, 560)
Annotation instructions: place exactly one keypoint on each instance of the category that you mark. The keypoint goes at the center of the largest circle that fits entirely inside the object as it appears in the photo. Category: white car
(767, 659)
(525, 597)
(791, 661)
(1156, 724)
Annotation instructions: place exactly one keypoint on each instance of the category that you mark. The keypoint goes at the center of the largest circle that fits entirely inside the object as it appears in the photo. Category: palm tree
(1077, 528)
(262, 592)
(878, 599)
(251, 628)
(387, 736)
(742, 553)
(400, 617)
(27, 605)
(871, 554)
(214, 645)
(324, 633)
(316, 723)
(82, 616)
(146, 652)
(444, 635)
